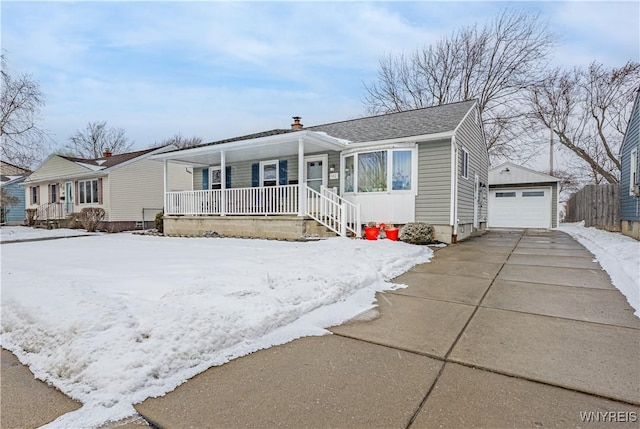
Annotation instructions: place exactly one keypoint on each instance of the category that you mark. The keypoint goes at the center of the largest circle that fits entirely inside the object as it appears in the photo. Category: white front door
(315, 171)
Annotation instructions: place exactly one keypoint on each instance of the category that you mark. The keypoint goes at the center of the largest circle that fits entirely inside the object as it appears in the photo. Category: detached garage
(522, 198)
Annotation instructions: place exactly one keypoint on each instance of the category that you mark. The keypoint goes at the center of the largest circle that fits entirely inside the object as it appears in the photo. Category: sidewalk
(510, 329)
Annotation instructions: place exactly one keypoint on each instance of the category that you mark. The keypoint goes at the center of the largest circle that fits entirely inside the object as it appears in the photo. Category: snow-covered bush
(159, 222)
(416, 233)
(90, 218)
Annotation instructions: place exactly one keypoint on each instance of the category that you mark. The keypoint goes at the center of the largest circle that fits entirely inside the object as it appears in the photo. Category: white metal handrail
(333, 211)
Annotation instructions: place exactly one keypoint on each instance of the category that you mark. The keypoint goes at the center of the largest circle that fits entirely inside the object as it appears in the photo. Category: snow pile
(618, 255)
(112, 320)
(18, 233)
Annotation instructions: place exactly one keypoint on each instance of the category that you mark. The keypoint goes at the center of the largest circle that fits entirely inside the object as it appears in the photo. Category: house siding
(629, 204)
(433, 202)
(470, 138)
(55, 168)
(15, 214)
(127, 202)
(241, 171)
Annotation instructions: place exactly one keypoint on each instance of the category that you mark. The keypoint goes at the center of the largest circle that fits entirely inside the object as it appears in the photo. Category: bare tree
(6, 200)
(181, 142)
(493, 64)
(96, 139)
(24, 142)
(588, 111)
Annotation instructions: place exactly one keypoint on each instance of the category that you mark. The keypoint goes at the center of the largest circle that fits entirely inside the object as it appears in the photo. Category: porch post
(302, 186)
(165, 184)
(223, 183)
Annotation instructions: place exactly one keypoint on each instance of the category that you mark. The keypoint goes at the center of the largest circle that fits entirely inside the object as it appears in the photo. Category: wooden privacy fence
(596, 205)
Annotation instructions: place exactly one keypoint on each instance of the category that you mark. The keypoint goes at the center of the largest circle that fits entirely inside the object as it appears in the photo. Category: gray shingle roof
(110, 161)
(428, 120)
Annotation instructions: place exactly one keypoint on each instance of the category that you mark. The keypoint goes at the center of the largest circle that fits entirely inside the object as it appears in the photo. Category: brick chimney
(106, 154)
(296, 123)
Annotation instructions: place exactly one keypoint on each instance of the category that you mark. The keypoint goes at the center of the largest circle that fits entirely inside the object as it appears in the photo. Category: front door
(68, 196)
(316, 171)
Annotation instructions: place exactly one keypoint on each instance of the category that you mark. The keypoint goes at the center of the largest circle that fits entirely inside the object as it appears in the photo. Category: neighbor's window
(464, 158)
(505, 194)
(348, 173)
(633, 171)
(372, 171)
(35, 190)
(88, 191)
(379, 171)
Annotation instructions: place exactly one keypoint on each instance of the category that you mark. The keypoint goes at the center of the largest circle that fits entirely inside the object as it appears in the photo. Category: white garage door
(520, 208)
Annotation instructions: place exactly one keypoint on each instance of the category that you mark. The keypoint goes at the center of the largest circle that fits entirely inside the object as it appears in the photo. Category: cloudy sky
(223, 69)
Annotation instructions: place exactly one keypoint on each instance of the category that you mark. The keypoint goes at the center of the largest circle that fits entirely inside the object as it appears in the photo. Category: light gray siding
(629, 204)
(469, 137)
(433, 202)
(241, 171)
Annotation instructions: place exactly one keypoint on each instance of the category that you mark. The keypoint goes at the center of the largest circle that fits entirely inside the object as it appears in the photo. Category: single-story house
(522, 198)
(428, 164)
(127, 186)
(630, 175)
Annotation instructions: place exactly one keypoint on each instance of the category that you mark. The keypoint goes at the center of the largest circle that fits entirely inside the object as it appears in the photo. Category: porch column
(302, 186)
(165, 184)
(223, 183)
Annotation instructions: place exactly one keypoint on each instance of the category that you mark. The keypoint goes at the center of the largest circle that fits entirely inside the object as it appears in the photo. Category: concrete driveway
(511, 329)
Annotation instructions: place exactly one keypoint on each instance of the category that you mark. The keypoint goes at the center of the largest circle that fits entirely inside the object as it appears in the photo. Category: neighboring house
(427, 165)
(13, 214)
(522, 198)
(9, 171)
(128, 186)
(630, 175)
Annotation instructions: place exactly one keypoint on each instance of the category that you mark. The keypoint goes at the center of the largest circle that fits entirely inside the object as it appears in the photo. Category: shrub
(416, 233)
(160, 222)
(73, 220)
(90, 218)
(31, 216)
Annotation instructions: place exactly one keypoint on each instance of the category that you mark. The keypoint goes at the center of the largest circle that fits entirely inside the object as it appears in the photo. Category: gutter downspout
(454, 151)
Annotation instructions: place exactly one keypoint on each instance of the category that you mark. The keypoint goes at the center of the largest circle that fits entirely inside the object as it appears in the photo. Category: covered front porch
(288, 177)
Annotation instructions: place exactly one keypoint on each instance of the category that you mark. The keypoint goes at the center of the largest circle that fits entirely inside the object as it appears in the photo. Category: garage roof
(509, 173)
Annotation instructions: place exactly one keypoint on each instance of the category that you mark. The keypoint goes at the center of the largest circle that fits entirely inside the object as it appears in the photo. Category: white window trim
(633, 171)
(389, 150)
(262, 164)
(80, 183)
(465, 163)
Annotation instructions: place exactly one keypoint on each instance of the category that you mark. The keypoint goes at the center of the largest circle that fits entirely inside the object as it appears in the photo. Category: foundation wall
(631, 228)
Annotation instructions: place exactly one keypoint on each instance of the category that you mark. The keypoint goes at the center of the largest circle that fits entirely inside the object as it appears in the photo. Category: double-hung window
(54, 190)
(387, 170)
(464, 163)
(88, 191)
(34, 194)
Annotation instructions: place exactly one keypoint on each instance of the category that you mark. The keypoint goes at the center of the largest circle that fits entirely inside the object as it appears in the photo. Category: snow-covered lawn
(18, 233)
(113, 319)
(618, 255)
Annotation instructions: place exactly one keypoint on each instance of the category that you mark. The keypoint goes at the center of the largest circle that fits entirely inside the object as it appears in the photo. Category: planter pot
(371, 232)
(392, 233)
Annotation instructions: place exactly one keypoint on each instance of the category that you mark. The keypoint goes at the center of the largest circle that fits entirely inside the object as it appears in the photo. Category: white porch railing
(326, 207)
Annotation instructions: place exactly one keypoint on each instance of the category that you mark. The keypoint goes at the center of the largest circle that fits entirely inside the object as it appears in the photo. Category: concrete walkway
(507, 330)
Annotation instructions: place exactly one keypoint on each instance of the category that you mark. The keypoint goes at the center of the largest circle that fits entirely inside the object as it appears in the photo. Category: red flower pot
(371, 232)
(392, 233)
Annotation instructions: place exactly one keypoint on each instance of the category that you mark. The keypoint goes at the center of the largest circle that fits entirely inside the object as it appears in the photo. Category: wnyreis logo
(608, 416)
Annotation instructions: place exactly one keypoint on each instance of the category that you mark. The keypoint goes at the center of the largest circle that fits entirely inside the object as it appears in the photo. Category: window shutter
(49, 193)
(255, 174)
(76, 200)
(100, 190)
(205, 179)
(282, 172)
(227, 173)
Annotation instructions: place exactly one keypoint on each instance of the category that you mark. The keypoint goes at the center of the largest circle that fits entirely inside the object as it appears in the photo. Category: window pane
(81, 188)
(348, 174)
(533, 193)
(269, 172)
(94, 184)
(401, 175)
(372, 171)
(216, 176)
(505, 194)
